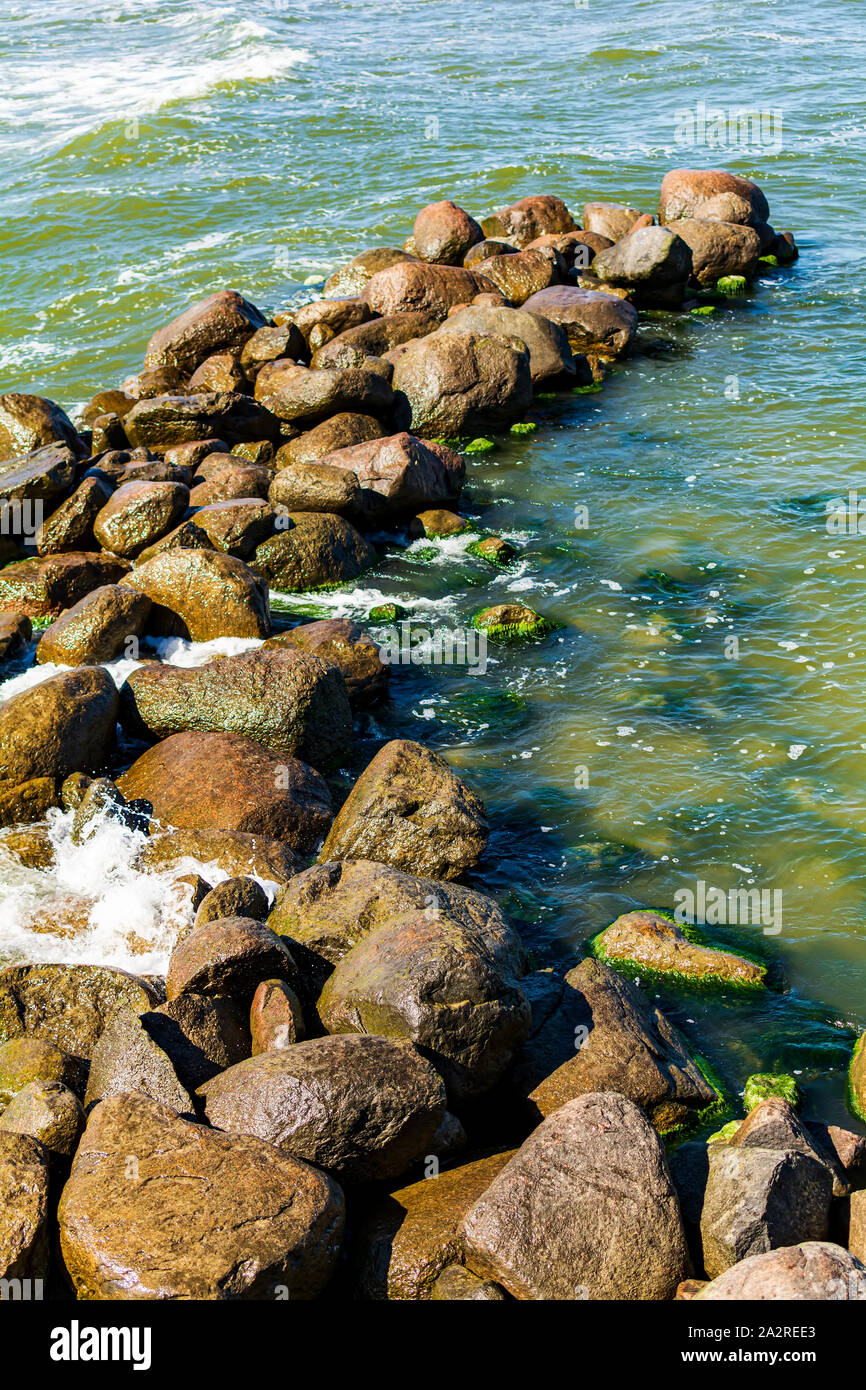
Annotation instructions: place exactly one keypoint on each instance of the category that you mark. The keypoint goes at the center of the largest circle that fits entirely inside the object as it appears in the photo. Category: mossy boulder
(49, 1112)
(96, 628)
(764, 1084)
(653, 944)
(507, 622)
(25, 1060)
(857, 1078)
(67, 1005)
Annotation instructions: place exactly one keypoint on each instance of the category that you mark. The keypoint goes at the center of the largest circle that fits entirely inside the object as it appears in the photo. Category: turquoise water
(154, 152)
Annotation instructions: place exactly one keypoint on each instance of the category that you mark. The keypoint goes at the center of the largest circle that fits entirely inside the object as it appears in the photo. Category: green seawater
(155, 151)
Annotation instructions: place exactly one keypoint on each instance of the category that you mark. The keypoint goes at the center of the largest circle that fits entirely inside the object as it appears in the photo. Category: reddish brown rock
(342, 643)
(44, 587)
(96, 629)
(276, 1017)
(405, 472)
(529, 218)
(443, 233)
(222, 321)
(594, 322)
(201, 594)
(449, 384)
(416, 286)
(353, 277)
(30, 422)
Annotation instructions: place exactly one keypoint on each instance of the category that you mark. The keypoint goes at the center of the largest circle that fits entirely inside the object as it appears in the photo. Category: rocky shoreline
(354, 1080)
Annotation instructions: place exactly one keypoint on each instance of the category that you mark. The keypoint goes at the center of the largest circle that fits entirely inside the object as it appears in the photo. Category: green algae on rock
(523, 427)
(494, 550)
(386, 613)
(857, 1079)
(732, 284)
(479, 446)
(649, 943)
(726, 1133)
(764, 1084)
(505, 622)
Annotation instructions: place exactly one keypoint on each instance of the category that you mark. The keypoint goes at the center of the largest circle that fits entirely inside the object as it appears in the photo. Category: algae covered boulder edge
(653, 944)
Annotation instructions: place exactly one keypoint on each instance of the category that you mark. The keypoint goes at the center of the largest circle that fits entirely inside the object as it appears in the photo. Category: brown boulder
(342, 643)
(312, 550)
(200, 1035)
(222, 321)
(416, 286)
(267, 344)
(409, 809)
(443, 233)
(233, 897)
(44, 587)
(373, 339)
(237, 525)
(719, 248)
(610, 220)
(686, 192)
(201, 594)
(524, 273)
(126, 1058)
(31, 484)
(199, 1215)
(230, 483)
(305, 395)
(529, 218)
(336, 433)
(814, 1271)
(594, 322)
(322, 320)
(65, 724)
(363, 1107)
(453, 384)
(68, 1005)
(166, 420)
(652, 263)
(404, 472)
(48, 1112)
(318, 487)
(352, 278)
(229, 956)
(28, 423)
(25, 1060)
(547, 343)
(24, 1209)
(16, 631)
(96, 628)
(216, 781)
(221, 372)
(232, 851)
(276, 1017)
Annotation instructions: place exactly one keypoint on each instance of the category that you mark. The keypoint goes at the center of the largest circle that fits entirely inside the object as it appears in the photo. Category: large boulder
(70, 527)
(416, 286)
(652, 262)
(211, 781)
(312, 550)
(44, 587)
(408, 1238)
(443, 233)
(202, 594)
(305, 395)
(231, 851)
(221, 322)
(323, 319)
(607, 1036)
(759, 1199)
(319, 487)
(547, 343)
(712, 194)
(42, 479)
(450, 988)
(139, 513)
(452, 384)
(719, 248)
(373, 339)
(409, 809)
(67, 1005)
(163, 421)
(24, 1208)
(63, 725)
(28, 423)
(520, 274)
(811, 1272)
(405, 473)
(340, 642)
(330, 908)
(610, 220)
(236, 526)
(337, 432)
(353, 277)
(289, 701)
(584, 1210)
(126, 1058)
(228, 957)
(594, 322)
(196, 1215)
(96, 628)
(363, 1107)
(653, 943)
(528, 218)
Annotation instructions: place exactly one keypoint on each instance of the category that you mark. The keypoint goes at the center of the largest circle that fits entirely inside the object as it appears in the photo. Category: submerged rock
(764, 1084)
(654, 944)
(505, 622)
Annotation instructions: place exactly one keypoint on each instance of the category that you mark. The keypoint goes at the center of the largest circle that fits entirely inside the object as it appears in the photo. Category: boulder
(403, 472)
(352, 278)
(523, 273)
(312, 550)
(221, 372)
(341, 643)
(228, 958)
(28, 423)
(48, 1112)
(318, 487)
(529, 218)
(27, 801)
(323, 319)
(25, 1060)
(437, 522)
(201, 594)
(416, 286)
(443, 233)
(686, 193)
(373, 339)
(449, 988)
(16, 631)
(216, 781)
(761, 1199)
(221, 322)
(584, 1210)
(232, 851)
(267, 344)
(126, 1058)
(456, 1284)
(186, 536)
(653, 263)
(24, 1209)
(338, 432)
(44, 587)
(719, 248)
(70, 527)
(409, 809)
(547, 343)
(35, 483)
(65, 724)
(96, 628)
(453, 384)
(289, 701)
(810, 1272)
(652, 943)
(363, 1107)
(200, 1035)
(594, 322)
(276, 1017)
(237, 525)
(330, 908)
(484, 250)
(606, 1036)
(233, 897)
(231, 483)
(408, 1238)
(67, 1005)
(138, 514)
(163, 421)
(610, 220)
(198, 1215)
(305, 395)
